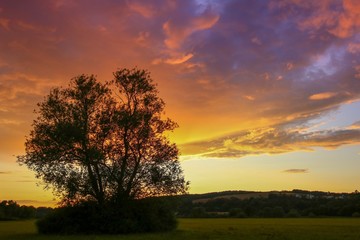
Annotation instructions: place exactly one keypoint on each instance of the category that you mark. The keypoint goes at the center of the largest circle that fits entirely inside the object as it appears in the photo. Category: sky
(266, 93)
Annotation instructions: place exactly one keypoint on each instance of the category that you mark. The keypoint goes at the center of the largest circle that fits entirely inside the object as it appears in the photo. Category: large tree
(105, 142)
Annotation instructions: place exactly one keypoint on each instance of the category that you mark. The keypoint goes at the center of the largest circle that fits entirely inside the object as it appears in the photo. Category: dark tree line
(276, 205)
(11, 210)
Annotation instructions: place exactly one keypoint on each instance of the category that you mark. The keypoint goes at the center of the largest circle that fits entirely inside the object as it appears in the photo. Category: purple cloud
(296, 170)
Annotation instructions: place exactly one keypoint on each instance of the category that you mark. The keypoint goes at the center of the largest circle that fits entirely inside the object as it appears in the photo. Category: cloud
(339, 18)
(271, 140)
(5, 172)
(357, 74)
(296, 170)
(250, 98)
(349, 20)
(221, 66)
(141, 8)
(256, 41)
(178, 30)
(322, 96)
(4, 23)
(179, 60)
(354, 47)
(355, 125)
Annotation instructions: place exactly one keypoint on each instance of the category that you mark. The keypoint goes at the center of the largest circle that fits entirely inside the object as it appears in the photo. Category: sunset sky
(266, 93)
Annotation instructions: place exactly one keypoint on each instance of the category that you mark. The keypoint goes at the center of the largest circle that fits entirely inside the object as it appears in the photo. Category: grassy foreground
(244, 229)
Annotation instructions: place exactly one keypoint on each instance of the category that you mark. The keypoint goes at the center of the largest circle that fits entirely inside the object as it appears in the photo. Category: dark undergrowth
(146, 215)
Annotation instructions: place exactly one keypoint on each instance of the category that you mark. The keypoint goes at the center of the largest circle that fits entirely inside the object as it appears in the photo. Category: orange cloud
(142, 38)
(250, 98)
(349, 21)
(214, 74)
(323, 17)
(4, 23)
(176, 34)
(5, 121)
(272, 140)
(342, 23)
(217, 67)
(322, 96)
(179, 60)
(355, 125)
(141, 8)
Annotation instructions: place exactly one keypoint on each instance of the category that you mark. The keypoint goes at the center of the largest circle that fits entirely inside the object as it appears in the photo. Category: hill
(295, 203)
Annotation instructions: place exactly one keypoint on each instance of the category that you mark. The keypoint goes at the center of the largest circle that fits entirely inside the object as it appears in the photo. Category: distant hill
(295, 203)
(204, 197)
(234, 194)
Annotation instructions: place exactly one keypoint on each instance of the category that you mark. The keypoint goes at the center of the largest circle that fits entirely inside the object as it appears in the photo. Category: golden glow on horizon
(268, 172)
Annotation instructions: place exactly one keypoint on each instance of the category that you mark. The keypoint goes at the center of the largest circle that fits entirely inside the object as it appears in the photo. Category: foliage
(145, 215)
(104, 142)
(11, 210)
(289, 204)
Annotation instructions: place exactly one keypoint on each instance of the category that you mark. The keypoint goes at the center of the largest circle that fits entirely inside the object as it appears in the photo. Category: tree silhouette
(104, 142)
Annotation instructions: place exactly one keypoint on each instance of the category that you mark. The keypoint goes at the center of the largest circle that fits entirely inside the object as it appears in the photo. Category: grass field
(227, 229)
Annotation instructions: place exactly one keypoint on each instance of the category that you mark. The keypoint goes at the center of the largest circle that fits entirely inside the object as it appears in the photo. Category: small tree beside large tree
(104, 143)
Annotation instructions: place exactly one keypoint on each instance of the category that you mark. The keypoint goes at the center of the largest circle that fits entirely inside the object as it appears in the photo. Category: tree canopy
(104, 141)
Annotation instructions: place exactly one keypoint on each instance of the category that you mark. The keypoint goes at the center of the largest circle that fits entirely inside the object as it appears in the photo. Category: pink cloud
(141, 8)
(233, 61)
(348, 21)
(179, 60)
(176, 33)
(322, 96)
(256, 41)
(357, 74)
(4, 23)
(354, 47)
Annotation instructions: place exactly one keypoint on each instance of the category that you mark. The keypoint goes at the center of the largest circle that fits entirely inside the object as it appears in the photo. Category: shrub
(237, 213)
(147, 215)
(293, 213)
(199, 212)
(276, 212)
(356, 214)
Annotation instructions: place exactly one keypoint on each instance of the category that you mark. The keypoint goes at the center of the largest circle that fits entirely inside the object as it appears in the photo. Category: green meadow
(244, 229)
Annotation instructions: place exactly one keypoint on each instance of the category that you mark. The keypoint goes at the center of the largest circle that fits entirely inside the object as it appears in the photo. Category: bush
(356, 214)
(147, 215)
(199, 212)
(237, 213)
(276, 212)
(293, 213)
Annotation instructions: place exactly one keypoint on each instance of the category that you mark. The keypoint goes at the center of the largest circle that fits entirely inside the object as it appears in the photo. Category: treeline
(11, 210)
(296, 203)
(290, 204)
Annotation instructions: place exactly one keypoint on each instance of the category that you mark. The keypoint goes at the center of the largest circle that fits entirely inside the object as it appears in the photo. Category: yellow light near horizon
(267, 172)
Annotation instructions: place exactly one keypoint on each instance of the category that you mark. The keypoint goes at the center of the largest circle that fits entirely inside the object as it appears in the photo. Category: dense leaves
(11, 210)
(290, 204)
(145, 215)
(104, 142)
